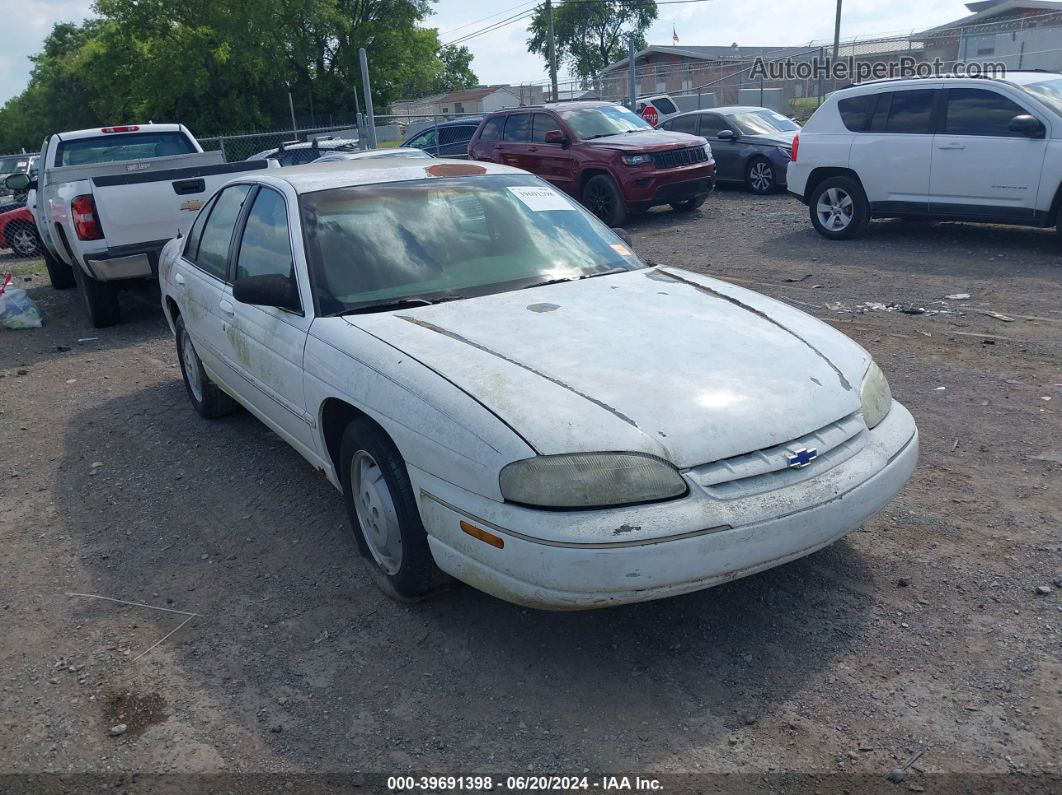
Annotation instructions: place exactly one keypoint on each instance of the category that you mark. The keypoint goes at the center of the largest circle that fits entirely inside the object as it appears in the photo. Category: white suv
(948, 148)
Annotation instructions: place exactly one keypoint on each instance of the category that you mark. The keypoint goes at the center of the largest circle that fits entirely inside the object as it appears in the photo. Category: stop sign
(650, 115)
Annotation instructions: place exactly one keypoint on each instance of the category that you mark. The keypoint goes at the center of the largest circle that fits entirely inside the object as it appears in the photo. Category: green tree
(591, 34)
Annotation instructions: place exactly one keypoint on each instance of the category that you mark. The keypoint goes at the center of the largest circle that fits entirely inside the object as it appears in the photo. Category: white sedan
(507, 395)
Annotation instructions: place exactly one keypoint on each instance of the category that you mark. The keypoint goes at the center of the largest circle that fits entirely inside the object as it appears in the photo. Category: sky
(501, 56)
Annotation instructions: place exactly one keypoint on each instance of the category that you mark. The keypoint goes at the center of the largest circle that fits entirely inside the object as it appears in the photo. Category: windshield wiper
(401, 303)
(609, 272)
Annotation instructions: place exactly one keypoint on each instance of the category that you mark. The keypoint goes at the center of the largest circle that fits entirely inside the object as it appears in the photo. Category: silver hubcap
(22, 241)
(835, 208)
(190, 360)
(760, 176)
(376, 512)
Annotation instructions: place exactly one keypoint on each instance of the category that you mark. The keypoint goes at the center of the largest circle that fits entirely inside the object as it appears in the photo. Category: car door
(725, 150)
(427, 140)
(268, 342)
(512, 149)
(894, 155)
(453, 141)
(200, 282)
(553, 162)
(981, 167)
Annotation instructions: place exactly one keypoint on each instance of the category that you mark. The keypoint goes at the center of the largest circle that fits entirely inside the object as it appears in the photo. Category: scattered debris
(801, 279)
(17, 310)
(189, 615)
(903, 582)
(119, 730)
(898, 774)
(1043, 590)
(958, 297)
(87, 339)
(996, 315)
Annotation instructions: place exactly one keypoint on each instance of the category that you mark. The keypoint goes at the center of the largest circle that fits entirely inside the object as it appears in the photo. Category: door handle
(226, 307)
(179, 279)
(952, 146)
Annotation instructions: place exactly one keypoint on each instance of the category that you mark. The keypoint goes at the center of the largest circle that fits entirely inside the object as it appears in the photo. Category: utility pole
(632, 74)
(291, 107)
(837, 31)
(551, 50)
(366, 87)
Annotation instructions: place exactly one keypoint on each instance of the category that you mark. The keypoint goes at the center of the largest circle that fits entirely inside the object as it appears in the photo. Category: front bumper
(649, 188)
(585, 559)
(125, 262)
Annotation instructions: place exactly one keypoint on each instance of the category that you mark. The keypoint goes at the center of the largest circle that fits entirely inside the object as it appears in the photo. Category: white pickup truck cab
(107, 200)
(948, 148)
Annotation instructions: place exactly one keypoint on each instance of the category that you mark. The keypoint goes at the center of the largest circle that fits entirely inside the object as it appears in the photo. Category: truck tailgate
(141, 207)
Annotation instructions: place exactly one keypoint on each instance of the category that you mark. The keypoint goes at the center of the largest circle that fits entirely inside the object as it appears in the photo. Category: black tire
(25, 242)
(689, 205)
(414, 575)
(759, 176)
(603, 199)
(208, 399)
(845, 212)
(100, 299)
(60, 274)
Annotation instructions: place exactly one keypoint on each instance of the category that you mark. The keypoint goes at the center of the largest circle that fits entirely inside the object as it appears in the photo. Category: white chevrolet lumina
(507, 395)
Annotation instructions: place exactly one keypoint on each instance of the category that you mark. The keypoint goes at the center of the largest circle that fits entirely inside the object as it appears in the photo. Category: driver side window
(266, 246)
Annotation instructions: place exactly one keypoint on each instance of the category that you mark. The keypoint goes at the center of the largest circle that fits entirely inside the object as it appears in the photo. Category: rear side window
(191, 245)
(855, 111)
(518, 127)
(213, 254)
(974, 111)
(910, 111)
(115, 147)
(455, 135)
(683, 124)
(665, 105)
(492, 130)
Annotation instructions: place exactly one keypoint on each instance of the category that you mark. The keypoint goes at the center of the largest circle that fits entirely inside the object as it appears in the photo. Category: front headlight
(875, 396)
(708, 150)
(636, 160)
(590, 480)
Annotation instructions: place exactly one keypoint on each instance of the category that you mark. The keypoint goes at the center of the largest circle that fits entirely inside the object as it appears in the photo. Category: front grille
(766, 470)
(679, 157)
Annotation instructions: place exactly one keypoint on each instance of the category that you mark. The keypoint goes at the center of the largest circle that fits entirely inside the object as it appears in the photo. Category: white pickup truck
(107, 200)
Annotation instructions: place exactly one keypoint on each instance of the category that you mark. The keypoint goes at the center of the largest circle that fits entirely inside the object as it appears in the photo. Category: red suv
(611, 160)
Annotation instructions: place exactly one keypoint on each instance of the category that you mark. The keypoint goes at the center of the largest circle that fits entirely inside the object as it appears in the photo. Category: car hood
(647, 141)
(774, 139)
(661, 361)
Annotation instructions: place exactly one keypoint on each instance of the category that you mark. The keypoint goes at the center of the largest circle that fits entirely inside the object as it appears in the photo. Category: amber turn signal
(483, 535)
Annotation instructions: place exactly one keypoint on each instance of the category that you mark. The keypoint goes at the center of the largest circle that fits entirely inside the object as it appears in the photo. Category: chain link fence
(18, 231)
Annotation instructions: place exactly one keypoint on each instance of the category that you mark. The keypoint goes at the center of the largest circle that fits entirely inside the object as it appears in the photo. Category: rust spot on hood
(455, 170)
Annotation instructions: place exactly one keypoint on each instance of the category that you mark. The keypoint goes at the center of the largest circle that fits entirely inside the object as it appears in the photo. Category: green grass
(33, 267)
(803, 107)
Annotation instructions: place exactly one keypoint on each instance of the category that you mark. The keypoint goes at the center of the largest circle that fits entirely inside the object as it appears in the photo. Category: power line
(492, 16)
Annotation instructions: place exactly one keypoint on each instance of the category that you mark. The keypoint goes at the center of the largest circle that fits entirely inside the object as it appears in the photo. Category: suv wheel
(603, 199)
(759, 176)
(839, 208)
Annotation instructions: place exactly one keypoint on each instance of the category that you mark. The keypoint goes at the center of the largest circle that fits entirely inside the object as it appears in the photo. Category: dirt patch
(137, 711)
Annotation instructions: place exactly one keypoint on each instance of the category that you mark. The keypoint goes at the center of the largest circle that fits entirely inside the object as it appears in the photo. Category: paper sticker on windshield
(621, 249)
(541, 199)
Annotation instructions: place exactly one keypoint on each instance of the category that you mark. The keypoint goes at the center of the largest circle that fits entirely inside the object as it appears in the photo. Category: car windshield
(589, 123)
(9, 165)
(1047, 91)
(115, 147)
(449, 237)
(761, 122)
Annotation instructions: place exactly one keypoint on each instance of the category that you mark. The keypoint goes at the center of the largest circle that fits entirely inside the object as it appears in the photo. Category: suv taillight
(86, 222)
(796, 146)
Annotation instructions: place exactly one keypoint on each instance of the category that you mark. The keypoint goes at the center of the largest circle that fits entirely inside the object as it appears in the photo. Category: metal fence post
(221, 145)
(632, 74)
(370, 119)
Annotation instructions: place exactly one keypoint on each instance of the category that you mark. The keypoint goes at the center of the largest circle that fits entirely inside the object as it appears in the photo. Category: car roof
(577, 104)
(372, 171)
(322, 143)
(397, 151)
(95, 132)
(1016, 77)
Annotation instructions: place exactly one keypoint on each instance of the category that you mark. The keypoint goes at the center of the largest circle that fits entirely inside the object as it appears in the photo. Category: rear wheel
(759, 176)
(60, 274)
(100, 299)
(208, 399)
(384, 515)
(603, 199)
(839, 208)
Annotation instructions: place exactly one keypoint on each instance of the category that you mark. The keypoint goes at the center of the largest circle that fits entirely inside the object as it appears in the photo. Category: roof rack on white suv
(958, 148)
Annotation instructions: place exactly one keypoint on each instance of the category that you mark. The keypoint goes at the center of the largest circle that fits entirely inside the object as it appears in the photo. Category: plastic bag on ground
(17, 309)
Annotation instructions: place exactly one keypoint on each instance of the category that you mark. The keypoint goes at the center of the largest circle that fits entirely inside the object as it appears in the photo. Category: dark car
(445, 139)
(600, 153)
(298, 153)
(751, 145)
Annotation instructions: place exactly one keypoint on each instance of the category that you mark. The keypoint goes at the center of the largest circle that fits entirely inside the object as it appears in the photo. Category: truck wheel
(384, 515)
(603, 199)
(100, 299)
(208, 399)
(839, 208)
(60, 274)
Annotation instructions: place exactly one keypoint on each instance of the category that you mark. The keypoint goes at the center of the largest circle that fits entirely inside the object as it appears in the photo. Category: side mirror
(1023, 124)
(726, 135)
(557, 137)
(623, 235)
(270, 289)
(19, 182)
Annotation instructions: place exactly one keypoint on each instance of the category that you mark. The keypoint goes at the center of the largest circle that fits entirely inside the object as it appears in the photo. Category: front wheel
(384, 515)
(24, 241)
(759, 176)
(839, 208)
(603, 199)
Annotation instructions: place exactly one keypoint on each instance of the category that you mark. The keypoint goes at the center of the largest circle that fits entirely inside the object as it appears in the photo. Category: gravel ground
(923, 631)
